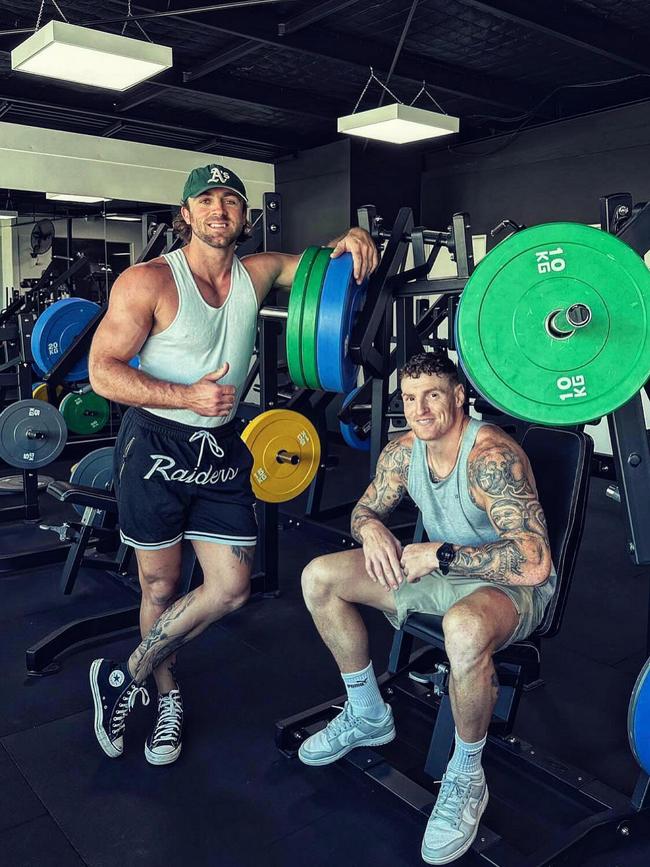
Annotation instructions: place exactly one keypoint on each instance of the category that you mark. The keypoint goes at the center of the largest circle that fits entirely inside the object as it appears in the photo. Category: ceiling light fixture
(125, 218)
(398, 123)
(8, 215)
(92, 57)
(73, 197)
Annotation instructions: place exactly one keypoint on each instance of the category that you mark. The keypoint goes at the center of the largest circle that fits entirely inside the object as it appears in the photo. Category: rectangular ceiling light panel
(398, 123)
(73, 197)
(85, 56)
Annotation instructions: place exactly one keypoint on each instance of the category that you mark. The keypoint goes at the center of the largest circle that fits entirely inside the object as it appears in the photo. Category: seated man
(487, 569)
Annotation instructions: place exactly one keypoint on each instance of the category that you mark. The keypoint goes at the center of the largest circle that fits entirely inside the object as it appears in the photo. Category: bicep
(271, 269)
(389, 485)
(501, 482)
(128, 321)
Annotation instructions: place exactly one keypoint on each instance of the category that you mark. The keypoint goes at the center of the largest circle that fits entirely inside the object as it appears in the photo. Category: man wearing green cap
(181, 470)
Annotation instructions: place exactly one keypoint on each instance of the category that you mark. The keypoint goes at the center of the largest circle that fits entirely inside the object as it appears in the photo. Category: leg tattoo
(245, 555)
(160, 642)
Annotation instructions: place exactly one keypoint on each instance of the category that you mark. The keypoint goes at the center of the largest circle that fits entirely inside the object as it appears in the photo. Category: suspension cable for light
(398, 123)
(92, 57)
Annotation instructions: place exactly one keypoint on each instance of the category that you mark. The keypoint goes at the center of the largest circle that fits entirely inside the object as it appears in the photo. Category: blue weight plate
(340, 301)
(638, 719)
(56, 329)
(348, 431)
(94, 470)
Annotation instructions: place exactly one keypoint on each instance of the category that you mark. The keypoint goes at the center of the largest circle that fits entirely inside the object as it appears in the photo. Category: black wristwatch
(445, 555)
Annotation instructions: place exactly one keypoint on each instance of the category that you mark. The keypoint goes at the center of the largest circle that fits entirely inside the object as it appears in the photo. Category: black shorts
(174, 482)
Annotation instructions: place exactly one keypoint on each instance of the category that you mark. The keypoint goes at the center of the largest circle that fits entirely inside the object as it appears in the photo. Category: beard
(226, 238)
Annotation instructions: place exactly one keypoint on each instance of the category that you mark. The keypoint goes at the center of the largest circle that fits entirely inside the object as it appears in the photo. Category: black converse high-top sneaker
(114, 695)
(163, 745)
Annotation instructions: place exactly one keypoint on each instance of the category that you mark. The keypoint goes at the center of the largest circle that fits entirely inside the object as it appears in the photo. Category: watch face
(445, 553)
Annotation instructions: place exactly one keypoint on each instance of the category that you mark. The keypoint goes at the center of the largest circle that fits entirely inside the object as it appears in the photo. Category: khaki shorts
(436, 593)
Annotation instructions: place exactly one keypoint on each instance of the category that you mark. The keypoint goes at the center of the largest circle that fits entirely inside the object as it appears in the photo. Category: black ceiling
(264, 81)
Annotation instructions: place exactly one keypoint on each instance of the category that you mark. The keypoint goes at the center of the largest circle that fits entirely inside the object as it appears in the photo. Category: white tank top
(201, 338)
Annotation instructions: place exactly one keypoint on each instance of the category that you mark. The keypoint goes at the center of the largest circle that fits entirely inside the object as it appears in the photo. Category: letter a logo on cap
(218, 176)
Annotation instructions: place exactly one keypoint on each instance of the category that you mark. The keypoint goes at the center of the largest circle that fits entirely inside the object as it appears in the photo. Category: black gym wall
(388, 176)
(315, 190)
(323, 187)
(554, 172)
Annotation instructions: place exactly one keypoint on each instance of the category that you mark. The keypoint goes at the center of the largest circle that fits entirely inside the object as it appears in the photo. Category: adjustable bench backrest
(561, 462)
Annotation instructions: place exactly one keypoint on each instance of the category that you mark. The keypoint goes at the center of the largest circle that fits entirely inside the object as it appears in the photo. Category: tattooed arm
(501, 482)
(381, 549)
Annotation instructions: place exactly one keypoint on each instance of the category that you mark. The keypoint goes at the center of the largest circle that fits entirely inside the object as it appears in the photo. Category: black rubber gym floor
(232, 799)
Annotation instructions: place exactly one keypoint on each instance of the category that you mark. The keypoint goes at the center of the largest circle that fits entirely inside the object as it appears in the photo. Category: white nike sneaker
(455, 818)
(345, 732)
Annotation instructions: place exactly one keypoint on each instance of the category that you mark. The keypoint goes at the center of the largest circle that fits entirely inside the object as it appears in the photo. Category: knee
(467, 638)
(159, 590)
(317, 582)
(225, 600)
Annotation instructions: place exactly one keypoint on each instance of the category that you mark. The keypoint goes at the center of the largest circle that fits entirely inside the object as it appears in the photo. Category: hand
(208, 398)
(365, 255)
(418, 560)
(382, 552)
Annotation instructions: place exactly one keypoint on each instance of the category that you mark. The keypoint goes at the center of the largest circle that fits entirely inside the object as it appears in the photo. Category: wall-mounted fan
(42, 237)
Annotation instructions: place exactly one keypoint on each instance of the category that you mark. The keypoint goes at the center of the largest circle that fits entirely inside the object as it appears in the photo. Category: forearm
(115, 380)
(361, 517)
(524, 562)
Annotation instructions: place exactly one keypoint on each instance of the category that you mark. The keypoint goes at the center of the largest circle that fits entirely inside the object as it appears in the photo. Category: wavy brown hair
(183, 230)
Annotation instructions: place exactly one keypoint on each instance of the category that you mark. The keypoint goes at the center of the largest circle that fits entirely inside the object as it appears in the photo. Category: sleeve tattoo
(386, 489)
(498, 478)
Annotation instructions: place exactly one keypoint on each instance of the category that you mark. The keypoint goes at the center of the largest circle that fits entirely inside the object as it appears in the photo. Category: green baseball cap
(213, 176)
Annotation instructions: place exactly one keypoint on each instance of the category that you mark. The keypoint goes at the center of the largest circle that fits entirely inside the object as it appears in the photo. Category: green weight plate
(86, 413)
(520, 332)
(311, 307)
(295, 313)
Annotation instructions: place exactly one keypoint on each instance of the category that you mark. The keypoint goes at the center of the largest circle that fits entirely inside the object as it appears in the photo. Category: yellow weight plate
(286, 454)
(39, 392)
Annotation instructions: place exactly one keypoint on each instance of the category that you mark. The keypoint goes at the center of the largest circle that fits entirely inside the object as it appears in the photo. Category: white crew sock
(467, 757)
(363, 693)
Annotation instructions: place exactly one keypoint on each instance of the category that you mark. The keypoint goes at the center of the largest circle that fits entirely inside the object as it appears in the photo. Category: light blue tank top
(202, 337)
(448, 512)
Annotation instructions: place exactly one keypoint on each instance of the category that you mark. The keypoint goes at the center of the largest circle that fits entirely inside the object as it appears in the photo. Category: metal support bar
(267, 554)
(632, 460)
(79, 347)
(636, 231)
(379, 298)
(272, 220)
(268, 312)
